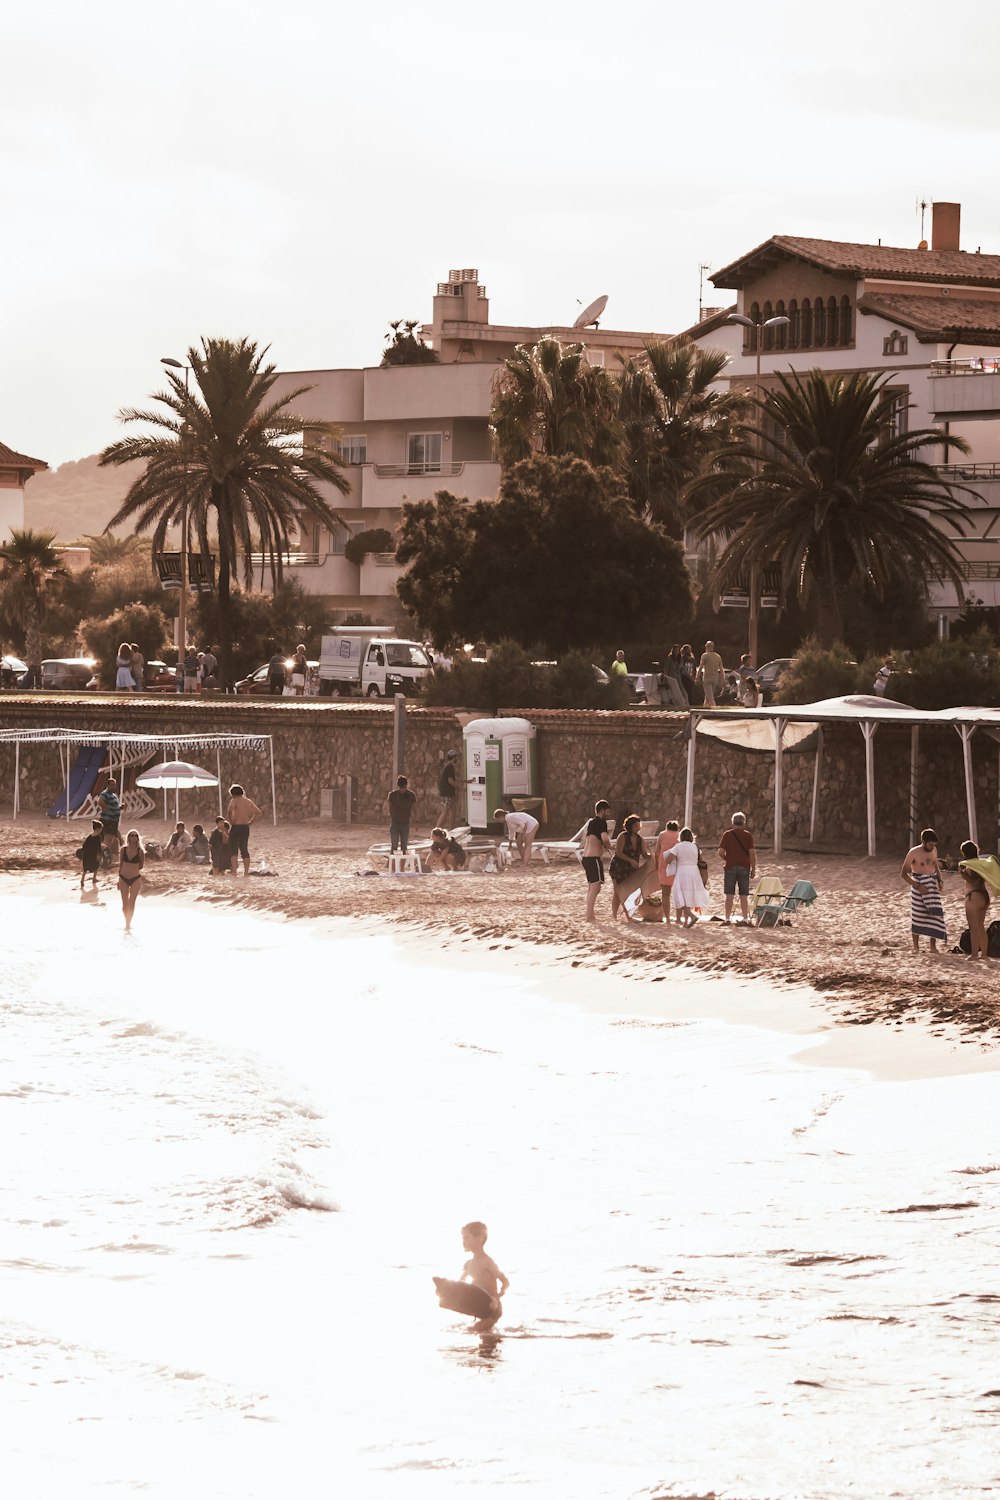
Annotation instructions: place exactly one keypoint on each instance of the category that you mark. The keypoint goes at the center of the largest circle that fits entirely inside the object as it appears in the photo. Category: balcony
(965, 387)
(318, 573)
(387, 486)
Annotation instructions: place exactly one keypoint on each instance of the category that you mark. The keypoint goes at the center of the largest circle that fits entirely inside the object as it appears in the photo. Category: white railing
(403, 471)
(288, 559)
(969, 471)
(977, 365)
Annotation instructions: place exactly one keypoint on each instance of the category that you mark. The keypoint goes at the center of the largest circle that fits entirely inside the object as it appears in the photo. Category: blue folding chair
(802, 895)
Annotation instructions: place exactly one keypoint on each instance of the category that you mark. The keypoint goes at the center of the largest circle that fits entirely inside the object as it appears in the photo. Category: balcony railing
(979, 365)
(969, 471)
(288, 559)
(384, 559)
(403, 471)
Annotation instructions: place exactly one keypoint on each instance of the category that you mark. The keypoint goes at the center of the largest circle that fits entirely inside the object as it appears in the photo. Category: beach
(852, 946)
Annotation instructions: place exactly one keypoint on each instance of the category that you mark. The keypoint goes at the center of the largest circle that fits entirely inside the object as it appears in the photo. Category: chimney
(945, 220)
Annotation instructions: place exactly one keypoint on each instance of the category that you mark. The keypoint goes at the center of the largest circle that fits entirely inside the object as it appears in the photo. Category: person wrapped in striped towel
(922, 872)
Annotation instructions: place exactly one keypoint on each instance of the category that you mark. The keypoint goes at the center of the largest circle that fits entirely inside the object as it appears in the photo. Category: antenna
(591, 313)
(922, 206)
(705, 266)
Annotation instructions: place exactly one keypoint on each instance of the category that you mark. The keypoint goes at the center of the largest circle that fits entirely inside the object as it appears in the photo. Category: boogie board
(463, 1297)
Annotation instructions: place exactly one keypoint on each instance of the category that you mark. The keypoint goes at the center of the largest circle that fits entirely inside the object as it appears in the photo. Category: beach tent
(787, 726)
(130, 747)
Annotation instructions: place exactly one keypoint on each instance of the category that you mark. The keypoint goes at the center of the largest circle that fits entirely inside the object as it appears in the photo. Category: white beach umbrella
(176, 776)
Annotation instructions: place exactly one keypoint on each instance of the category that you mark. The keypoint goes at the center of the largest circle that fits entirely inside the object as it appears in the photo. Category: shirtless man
(596, 843)
(921, 870)
(483, 1272)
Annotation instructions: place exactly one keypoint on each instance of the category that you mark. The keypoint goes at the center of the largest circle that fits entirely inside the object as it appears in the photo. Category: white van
(368, 661)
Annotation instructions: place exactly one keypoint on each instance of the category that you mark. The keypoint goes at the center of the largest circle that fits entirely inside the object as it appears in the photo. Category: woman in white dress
(124, 681)
(689, 892)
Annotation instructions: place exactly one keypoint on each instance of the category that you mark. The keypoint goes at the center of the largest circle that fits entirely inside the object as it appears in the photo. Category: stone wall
(636, 760)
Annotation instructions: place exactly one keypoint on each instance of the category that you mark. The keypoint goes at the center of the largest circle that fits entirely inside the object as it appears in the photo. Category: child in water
(483, 1272)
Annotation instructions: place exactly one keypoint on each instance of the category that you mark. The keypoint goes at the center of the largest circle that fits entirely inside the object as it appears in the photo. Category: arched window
(781, 334)
(750, 334)
(845, 320)
(768, 312)
(819, 323)
(794, 326)
(831, 322)
(807, 324)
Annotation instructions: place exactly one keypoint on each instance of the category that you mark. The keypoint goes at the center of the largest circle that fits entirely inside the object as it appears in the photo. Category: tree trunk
(225, 623)
(33, 639)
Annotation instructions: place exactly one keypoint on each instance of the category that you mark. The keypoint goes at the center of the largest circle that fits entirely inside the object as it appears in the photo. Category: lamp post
(175, 364)
(754, 569)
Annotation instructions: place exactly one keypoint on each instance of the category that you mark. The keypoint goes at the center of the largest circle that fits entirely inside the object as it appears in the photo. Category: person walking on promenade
(209, 668)
(664, 843)
(300, 672)
(711, 674)
(670, 679)
(190, 666)
(401, 804)
(921, 870)
(689, 672)
(240, 813)
(739, 858)
(619, 667)
(276, 674)
(138, 665)
(124, 681)
(130, 863)
(596, 843)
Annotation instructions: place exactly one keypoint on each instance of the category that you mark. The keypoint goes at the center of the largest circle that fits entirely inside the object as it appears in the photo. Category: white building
(15, 471)
(409, 430)
(930, 316)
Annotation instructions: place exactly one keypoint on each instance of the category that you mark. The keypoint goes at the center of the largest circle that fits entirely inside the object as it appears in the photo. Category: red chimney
(945, 221)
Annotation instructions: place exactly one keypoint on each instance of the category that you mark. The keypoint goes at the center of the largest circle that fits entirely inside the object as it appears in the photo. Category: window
(423, 453)
(750, 334)
(795, 328)
(768, 312)
(781, 334)
(354, 449)
(845, 320)
(819, 323)
(894, 411)
(399, 654)
(831, 322)
(896, 343)
(807, 324)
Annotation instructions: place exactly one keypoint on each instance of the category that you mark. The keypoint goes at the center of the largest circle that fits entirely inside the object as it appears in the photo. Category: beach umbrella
(176, 776)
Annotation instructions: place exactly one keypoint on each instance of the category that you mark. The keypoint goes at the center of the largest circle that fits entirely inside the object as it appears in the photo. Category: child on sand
(90, 852)
(483, 1272)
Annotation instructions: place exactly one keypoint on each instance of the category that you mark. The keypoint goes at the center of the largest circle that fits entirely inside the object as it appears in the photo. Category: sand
(853, 946)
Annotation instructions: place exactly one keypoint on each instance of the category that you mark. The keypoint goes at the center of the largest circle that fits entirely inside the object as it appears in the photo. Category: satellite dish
(591, 314)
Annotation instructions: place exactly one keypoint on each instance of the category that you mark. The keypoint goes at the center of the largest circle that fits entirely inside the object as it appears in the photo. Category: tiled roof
(11, 460)
(937, 319)
(714, 320)
(892, 263)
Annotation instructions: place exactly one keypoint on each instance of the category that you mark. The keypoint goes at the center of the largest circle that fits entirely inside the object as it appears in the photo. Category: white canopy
(788, 726)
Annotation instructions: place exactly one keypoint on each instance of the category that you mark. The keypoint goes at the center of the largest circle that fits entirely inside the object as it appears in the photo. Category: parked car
(159, 678)
(68, 674)
(12, 671)
(257, 685)
(769, 675)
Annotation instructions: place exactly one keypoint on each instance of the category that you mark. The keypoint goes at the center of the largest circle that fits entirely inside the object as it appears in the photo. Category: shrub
(509, 679)
(954, 674)
(143, 623)
(816, 674)
(375, 540)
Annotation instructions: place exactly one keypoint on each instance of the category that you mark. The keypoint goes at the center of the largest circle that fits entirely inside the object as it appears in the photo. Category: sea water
(236, 1149)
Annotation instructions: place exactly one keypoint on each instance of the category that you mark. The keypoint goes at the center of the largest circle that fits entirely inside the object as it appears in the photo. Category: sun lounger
(547, 849)
(767, 896)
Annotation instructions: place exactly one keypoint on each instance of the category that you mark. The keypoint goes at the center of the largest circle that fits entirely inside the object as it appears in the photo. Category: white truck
(370, 661)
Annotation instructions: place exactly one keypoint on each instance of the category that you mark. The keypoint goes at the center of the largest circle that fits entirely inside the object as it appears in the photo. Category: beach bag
(992, 941)
(79, 853)
(703, 869)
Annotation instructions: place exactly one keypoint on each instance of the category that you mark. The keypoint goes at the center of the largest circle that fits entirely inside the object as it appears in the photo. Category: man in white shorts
(521, 829)
(711, 674)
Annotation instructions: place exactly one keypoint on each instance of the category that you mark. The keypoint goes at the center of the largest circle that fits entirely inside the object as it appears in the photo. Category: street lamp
(745, 322)
(175, 364)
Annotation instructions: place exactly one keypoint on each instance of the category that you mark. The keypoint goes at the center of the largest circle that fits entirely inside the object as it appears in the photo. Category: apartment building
(409, 430)
(15, 471)
(928, 316)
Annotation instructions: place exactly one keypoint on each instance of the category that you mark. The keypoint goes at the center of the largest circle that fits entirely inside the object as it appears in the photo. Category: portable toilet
(501, 760)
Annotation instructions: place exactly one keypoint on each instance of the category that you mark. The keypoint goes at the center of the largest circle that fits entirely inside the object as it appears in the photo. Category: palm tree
(824, 487)
(674, 420)
(28, 565)
(229, 450)
(549, 400)
(108, 548)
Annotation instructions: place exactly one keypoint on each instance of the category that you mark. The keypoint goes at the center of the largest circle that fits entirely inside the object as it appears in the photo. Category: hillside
(77, 499)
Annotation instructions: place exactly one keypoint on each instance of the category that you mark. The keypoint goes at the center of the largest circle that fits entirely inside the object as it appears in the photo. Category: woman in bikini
(977, 903)
(130, 863)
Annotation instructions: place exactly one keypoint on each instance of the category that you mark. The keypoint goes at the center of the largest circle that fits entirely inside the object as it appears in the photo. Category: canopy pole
(17, 780)
(689, 782)
(817, 773)
(967, 731)
(218, 775)
(66, 775)
(868, 730)
(274, 800)
(998, 799)
(914, 760)
(177, 790)
(779, 731)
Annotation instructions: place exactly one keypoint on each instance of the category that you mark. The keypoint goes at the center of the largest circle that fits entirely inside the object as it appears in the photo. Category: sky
(301, 174)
